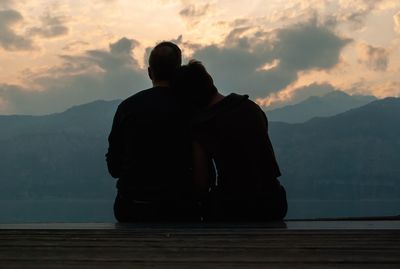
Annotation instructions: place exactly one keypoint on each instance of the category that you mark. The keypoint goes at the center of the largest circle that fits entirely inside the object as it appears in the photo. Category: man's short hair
(195, 84)
(164, 60)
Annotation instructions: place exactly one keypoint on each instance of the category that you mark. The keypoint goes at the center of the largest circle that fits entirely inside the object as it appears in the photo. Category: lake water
(27, 211)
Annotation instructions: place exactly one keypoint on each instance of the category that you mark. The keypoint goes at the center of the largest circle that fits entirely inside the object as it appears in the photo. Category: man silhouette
(150, 148)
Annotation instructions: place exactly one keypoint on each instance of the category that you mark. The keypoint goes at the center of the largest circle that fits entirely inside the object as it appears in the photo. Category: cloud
(293, 95)
(380, 89)
(4, 108)
(374, 58)
(193, 10)
(309, 46)
(314, 89)
(388, 88)
(9, 94)
(51, 26)
(123, 46)
(396, 19)
(193, 13)
(251, 61)
(117, 59)
(9, 39)
(237, 66)
(75, 46)
(95, 74)
(356, 11)
(6, 3)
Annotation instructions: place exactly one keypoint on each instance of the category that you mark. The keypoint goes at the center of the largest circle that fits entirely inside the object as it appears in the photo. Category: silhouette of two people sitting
(184, 152)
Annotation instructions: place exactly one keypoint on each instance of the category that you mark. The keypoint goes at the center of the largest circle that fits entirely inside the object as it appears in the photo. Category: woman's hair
(194, 84)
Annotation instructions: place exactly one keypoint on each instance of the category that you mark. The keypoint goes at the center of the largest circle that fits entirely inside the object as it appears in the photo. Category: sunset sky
(56, 54)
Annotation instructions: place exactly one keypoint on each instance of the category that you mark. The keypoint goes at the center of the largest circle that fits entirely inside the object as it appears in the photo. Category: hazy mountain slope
(353, 155)
(318, 106)
(91, 117)
(59, 155)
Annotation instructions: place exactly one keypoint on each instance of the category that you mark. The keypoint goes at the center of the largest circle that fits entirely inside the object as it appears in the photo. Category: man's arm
(114, 153)
(203, 170)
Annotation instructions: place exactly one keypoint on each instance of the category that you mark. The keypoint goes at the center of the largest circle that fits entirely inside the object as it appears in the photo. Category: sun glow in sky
(55, 54)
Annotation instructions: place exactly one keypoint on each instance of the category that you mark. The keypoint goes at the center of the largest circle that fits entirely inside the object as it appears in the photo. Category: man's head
(164, 61)
(195, 84)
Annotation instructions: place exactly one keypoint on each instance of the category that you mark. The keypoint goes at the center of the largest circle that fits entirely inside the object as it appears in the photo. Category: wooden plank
(199, 247)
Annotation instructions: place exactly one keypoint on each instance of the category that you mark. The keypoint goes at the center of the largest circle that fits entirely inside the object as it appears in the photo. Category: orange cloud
(385, 89)
(9, 38)
(397, 21)
(375, 58)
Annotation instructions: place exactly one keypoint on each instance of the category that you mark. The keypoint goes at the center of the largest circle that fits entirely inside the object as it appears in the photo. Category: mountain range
(330, 104)
(53, 167)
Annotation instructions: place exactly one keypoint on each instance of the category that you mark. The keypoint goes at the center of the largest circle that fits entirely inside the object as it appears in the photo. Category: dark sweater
(150, 148)
(235, 134)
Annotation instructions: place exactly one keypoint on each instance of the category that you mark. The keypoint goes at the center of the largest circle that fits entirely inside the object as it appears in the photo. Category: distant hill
(53, 167)
(87, 118)
(351, 156)
(51, 162)
(327, 105)
(58, 155)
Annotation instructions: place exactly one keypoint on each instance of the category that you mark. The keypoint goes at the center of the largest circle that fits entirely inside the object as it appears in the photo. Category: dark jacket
(150, 148)
(235, 134)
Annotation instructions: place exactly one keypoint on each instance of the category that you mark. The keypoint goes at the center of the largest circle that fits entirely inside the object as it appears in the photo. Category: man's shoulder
(136, 98)
(139, 95)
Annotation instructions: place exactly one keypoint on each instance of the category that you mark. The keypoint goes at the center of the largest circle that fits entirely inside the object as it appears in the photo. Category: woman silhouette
(234, 168)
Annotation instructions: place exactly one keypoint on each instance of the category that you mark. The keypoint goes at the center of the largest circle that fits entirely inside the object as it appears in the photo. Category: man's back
(150, 149)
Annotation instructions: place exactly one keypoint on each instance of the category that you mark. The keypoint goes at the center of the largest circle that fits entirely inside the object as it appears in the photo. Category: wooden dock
(301, 244)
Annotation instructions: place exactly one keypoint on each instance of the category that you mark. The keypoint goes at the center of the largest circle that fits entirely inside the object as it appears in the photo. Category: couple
(184, 152)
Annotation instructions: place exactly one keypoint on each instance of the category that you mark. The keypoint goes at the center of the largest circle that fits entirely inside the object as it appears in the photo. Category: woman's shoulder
(232, 105)
(246, 104)
(221, 107)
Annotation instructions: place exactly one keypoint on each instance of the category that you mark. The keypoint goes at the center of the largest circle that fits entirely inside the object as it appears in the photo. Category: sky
(57, 54)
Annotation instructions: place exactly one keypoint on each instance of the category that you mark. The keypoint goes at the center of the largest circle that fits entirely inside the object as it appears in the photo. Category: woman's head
(194, 84)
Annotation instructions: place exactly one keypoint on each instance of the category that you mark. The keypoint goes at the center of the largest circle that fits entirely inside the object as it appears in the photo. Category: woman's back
(234, 132)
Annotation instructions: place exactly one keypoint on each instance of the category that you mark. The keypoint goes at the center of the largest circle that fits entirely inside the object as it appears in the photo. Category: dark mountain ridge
(356, 151)
(96, 115)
